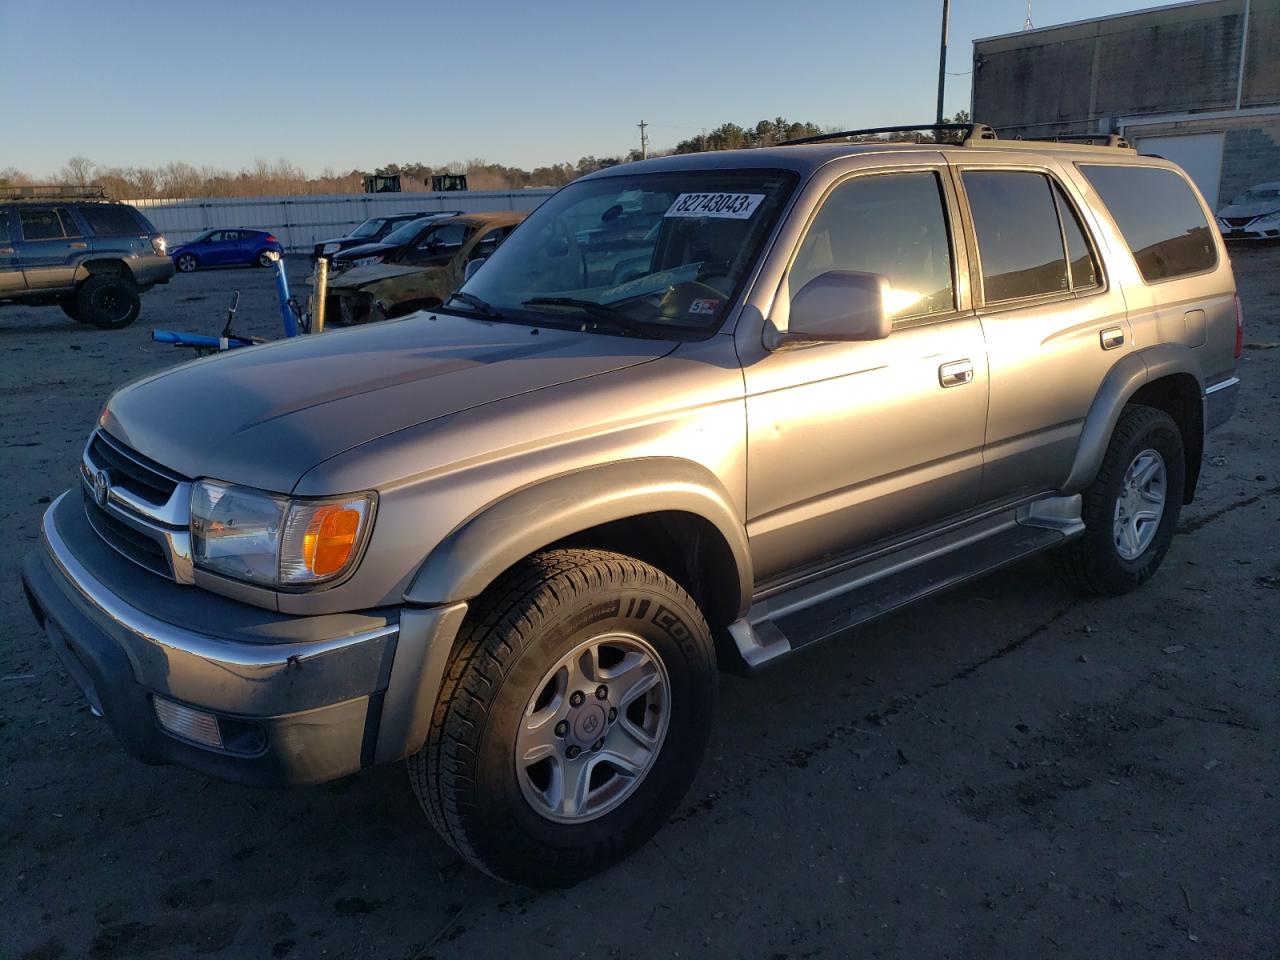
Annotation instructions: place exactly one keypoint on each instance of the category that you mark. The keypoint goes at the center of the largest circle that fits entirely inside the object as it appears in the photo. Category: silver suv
(697, 411)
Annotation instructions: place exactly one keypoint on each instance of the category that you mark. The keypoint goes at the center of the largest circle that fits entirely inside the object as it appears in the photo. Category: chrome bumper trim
(254, 679)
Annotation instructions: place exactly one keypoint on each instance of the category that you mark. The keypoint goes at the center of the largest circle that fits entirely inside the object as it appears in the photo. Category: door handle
(6, 251)
(956, 373)
(79, 245)
(1111, 338)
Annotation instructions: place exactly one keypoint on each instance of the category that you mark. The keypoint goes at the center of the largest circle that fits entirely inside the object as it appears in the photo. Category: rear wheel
(572, 719)
(1131, 509)
(108, 301)
(265, 260)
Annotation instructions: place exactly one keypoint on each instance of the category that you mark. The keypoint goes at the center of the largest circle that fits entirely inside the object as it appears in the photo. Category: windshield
(404, 233)
(1258, 194)
(660, 254)
(368, 228)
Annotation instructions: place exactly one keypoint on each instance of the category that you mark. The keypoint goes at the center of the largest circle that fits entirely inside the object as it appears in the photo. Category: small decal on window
(720, 206)
(704, 306)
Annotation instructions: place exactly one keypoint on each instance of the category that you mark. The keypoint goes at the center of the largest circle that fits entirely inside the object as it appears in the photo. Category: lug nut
(613, 714)
(575, 700)
(573, 752)
(562, 728)
(602, 692)
(595, 747)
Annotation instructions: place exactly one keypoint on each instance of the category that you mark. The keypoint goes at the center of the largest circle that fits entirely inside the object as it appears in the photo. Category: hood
(1254, 208)
(362, 276)
(365, 250)
(265, 415)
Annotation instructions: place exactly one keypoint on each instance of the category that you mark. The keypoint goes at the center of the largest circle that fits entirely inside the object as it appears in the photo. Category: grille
(124, 539)
(132, 471)
(1238, 221)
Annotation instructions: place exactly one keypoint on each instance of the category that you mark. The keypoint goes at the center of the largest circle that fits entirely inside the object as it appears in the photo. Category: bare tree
(78, 171)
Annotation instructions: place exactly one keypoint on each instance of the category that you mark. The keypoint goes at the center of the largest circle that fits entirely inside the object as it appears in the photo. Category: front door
(854, 443)
(10, 271)
(49, 245)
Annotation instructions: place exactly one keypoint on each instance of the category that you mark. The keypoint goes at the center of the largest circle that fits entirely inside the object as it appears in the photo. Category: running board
(830, 604)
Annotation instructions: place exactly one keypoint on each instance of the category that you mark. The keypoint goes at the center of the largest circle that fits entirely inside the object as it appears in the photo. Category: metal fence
(298, 222)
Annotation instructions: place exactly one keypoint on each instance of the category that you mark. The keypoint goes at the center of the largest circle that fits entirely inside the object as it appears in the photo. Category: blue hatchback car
(226, 248)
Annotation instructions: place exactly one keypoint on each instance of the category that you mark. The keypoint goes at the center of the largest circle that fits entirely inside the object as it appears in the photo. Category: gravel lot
(1006, 771)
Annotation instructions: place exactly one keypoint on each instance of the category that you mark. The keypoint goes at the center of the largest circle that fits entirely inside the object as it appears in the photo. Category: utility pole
(1026, 24)
(942, 57)
(644, 141)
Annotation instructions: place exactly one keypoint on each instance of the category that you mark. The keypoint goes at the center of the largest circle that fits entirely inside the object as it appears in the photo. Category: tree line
(179, 180)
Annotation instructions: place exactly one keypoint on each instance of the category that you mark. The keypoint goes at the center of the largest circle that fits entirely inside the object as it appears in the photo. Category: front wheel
(1131, 509)
(572, 718)
(265, 260)
(186, 263)
(108, 301)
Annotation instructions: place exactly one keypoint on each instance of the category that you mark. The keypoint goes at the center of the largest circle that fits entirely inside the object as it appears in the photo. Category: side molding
(477, 551)
(1121, 383)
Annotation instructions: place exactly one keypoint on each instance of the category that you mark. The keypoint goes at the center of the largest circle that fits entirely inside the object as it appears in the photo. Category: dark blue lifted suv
(73, 248)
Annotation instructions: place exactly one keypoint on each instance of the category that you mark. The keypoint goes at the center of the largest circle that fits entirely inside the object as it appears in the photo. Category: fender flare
(473, 555)
(1122, 381)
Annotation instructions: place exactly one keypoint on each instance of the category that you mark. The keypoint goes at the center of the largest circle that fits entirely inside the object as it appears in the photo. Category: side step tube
(826, 606)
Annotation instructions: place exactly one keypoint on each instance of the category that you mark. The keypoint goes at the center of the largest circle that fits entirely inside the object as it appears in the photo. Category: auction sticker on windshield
(721, 206)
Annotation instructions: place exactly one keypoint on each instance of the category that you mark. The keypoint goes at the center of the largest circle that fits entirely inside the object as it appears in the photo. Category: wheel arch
(1166, 377)
(671, 513)
(100, 266)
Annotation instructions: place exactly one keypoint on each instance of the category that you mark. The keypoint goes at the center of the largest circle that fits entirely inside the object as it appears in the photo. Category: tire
(108, 301)
(509, 664)
(71, 310)
(264, 260)
(187, 263)
(1109, 560)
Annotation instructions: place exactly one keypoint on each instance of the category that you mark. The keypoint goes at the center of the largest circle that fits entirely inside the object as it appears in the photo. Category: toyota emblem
(101, 488)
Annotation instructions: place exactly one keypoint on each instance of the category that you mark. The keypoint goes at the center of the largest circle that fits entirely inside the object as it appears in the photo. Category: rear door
(1054, 322)
(49, 246)
(10, 272)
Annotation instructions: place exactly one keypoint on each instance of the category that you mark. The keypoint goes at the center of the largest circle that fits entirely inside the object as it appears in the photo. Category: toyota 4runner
(510, 539)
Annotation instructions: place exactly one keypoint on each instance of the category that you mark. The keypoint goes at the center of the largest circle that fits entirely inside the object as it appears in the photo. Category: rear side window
(1084, 269)
(40, 225)
(1020, 241)
(892, 224)
(111, 221)
(69, 225)
(1159, 217)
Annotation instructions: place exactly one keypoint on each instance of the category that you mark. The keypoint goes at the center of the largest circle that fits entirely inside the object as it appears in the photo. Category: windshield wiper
(599, 312)
(480, 306)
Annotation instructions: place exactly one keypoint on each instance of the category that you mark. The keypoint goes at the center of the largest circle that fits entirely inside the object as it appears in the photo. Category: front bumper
(322, 697)
(150, 270)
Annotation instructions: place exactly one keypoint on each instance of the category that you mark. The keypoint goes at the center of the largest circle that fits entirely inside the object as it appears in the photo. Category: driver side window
(892, 224)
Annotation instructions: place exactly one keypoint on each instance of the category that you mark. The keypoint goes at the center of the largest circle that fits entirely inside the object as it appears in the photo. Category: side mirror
(472, 266)
(839, 305)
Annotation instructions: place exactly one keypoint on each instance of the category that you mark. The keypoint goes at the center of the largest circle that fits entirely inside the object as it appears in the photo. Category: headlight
(263, 538)
(1268, 217)
(329, 248)
(160, 245)
(366, 261)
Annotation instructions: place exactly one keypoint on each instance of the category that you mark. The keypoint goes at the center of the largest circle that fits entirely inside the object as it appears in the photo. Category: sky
(343, 85)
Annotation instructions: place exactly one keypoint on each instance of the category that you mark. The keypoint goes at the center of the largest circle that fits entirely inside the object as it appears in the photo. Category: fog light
(187, 723)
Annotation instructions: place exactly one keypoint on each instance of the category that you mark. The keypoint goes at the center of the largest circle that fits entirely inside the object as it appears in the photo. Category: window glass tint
(40, 225)
(69, 225)
(1019, 240)
(1084, 270)
(111, 221)
(4, 227)
(1160, 219)
(891, 224)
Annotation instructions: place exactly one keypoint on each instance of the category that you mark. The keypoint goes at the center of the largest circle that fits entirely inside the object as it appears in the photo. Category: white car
(1254, 215)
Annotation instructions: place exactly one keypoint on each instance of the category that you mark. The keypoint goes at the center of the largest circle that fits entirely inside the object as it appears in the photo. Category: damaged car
(420, 275)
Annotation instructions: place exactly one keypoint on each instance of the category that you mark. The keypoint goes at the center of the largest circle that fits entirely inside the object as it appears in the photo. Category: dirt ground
(1006, 771)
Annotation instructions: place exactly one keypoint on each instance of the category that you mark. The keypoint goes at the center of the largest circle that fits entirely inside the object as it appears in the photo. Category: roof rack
(47, 192)
(1087, 139)
(972, 132)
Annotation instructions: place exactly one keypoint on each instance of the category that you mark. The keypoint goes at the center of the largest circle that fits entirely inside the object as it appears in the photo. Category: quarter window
(111, 221)
(40, 225)
(890, 224)
(1160, 218)
(1019, 238)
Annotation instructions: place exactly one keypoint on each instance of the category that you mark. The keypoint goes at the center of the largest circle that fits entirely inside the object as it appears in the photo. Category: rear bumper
(148, 271)
(301, 711)
(1220, 402)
